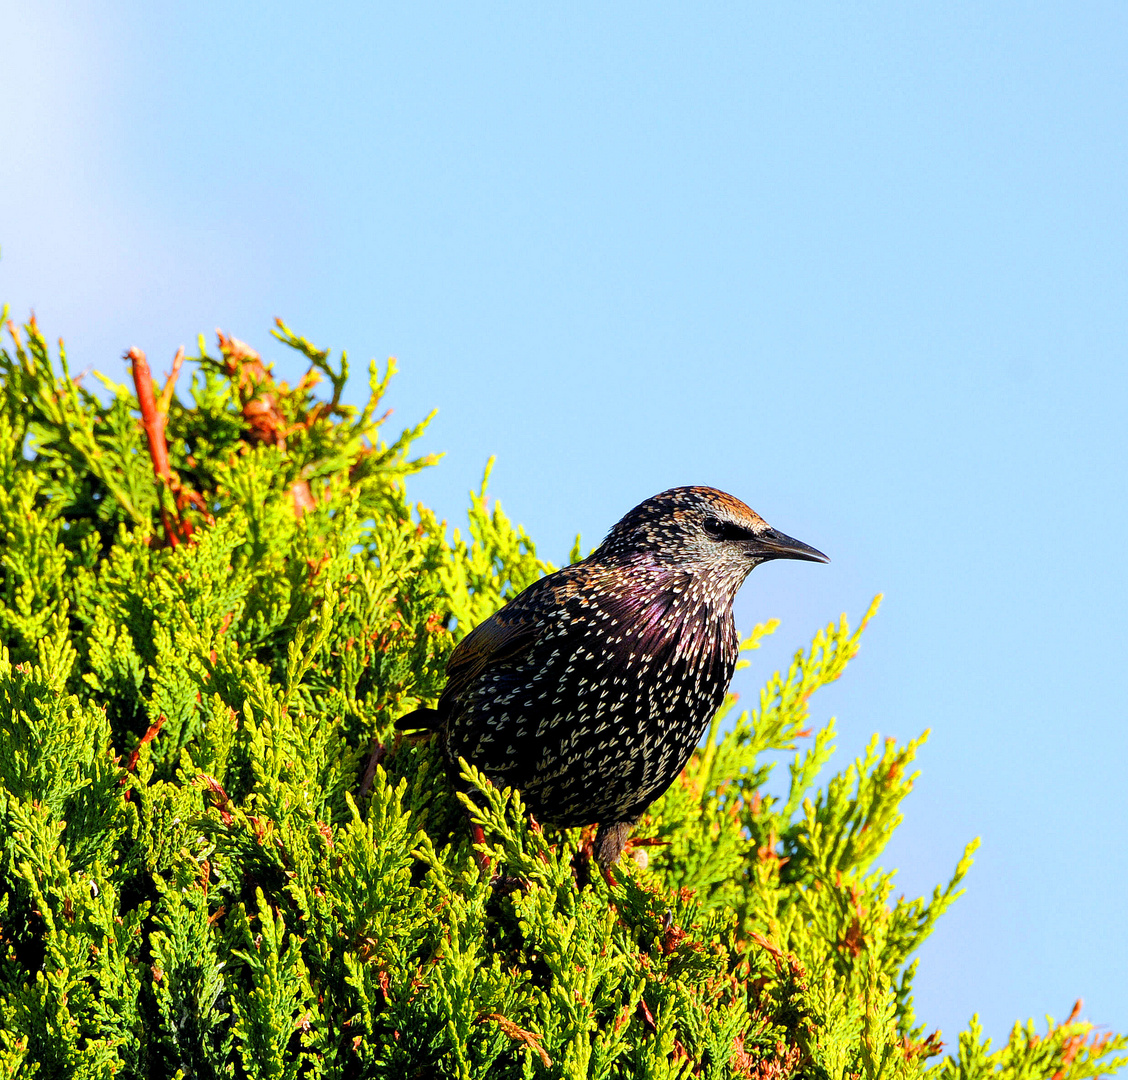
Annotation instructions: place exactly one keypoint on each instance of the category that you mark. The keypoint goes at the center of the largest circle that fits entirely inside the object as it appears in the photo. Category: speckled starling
(589, 690)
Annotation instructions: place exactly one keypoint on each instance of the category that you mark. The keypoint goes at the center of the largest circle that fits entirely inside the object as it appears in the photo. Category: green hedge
(213, 607)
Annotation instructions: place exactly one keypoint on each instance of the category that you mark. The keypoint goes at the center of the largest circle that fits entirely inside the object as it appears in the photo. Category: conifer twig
(530, 1038)
(151, 733)
(302, 497)
(374, 759)
(153, 423)
(154, 418)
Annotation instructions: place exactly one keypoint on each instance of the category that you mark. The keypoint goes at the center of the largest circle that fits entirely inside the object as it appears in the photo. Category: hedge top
(211, 610)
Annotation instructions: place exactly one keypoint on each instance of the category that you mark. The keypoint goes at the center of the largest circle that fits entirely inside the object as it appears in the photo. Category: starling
(589, 691)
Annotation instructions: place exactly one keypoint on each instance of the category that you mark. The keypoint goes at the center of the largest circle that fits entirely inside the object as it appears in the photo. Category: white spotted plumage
(589, 690)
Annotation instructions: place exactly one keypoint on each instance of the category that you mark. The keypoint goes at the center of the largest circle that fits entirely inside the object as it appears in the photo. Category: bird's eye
(724, 530)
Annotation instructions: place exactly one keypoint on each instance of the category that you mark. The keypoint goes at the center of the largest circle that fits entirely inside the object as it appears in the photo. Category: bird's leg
(609, 843)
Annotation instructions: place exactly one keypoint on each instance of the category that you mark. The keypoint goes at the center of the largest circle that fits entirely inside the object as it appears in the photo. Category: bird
(590, 689)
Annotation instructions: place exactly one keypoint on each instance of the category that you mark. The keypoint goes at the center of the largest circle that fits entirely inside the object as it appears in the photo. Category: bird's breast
(667, 653)
(604, 708)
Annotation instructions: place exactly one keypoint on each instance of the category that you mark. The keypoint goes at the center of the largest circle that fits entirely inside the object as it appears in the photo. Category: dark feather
(422, 719)
(589, 690)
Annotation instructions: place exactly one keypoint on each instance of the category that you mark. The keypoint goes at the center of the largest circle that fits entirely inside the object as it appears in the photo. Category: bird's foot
(604, 848)
(610, 841)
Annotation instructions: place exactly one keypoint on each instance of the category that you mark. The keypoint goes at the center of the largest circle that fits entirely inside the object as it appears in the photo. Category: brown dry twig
(153, 424)
(261, 401)
(374, 759)
(529, 1038)
(147, 738)
(220, 798)
(154, 418)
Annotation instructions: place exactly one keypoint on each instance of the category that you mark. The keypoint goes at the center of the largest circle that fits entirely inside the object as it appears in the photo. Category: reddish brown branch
(153, 424)
(154, 418)
(647, 1016)
(147, 738)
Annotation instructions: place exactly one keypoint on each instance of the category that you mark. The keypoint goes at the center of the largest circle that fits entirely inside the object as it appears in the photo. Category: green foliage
(201, 652)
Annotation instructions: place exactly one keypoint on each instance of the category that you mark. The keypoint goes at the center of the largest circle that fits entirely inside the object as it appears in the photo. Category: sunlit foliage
(219, 859)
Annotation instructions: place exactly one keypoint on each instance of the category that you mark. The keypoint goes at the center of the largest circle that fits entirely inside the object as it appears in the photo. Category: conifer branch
(154, 418)
(216, 902)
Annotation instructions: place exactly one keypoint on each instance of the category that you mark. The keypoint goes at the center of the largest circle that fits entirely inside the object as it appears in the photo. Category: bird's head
(700, 531)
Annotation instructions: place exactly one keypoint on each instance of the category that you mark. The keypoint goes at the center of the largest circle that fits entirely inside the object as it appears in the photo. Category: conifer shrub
(219, 859)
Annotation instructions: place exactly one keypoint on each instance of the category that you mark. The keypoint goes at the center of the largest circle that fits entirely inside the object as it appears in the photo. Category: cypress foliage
(212, 610)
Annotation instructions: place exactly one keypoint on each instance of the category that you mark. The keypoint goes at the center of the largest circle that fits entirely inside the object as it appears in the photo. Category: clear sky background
(864, 266)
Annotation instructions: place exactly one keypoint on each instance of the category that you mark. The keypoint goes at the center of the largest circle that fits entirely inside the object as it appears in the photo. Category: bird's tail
(421, 720)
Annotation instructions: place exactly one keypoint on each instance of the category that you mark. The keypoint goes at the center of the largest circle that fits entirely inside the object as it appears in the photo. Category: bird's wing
(506, 634)
(501, 637)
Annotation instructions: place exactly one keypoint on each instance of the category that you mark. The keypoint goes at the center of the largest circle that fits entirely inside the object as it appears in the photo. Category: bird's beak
(771, 544)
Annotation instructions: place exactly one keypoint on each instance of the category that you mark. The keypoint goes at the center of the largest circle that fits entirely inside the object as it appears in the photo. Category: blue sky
(864, 266)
